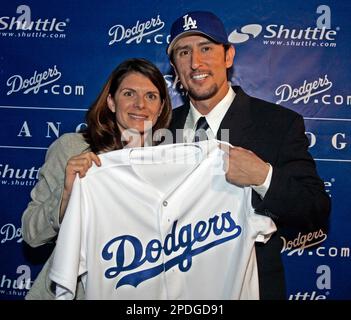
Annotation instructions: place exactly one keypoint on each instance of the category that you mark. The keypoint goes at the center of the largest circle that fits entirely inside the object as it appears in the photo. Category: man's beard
(199, 96)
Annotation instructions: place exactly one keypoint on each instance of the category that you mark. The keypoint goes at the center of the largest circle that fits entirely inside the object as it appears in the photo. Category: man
(270, 151)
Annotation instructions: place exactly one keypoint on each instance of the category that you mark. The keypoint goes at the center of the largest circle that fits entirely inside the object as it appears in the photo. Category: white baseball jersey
(160, 223)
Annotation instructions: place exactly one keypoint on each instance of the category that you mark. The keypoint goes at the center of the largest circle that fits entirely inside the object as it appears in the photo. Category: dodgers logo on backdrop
(307, 90)
(9, 232)
(34, 83)
(137, 32)
(303, 241)
(223, 227)
(38, 80)
(189, 23)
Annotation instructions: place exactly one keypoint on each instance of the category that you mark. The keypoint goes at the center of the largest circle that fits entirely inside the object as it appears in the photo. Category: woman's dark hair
(102, 133)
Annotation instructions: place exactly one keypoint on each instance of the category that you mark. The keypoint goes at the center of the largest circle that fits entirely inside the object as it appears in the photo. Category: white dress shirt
(214, 119)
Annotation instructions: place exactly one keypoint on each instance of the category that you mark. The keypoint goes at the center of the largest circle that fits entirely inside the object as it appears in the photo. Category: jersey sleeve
(69, 261)
(263, 226)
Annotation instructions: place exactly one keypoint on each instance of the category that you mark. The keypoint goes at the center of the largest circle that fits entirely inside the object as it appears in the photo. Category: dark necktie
(200, 131)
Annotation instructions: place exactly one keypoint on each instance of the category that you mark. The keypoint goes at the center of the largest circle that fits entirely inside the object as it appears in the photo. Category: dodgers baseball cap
(198, 22)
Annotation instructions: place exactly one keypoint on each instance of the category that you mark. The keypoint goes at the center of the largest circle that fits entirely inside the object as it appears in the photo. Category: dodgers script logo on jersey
(186, 238)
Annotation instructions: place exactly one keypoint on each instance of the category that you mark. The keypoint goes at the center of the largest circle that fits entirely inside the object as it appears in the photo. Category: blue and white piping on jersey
(185, 238)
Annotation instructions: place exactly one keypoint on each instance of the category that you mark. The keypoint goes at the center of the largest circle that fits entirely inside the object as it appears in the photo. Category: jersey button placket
(165, 204)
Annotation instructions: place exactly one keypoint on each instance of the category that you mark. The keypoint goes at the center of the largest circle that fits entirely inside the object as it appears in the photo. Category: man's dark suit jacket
(296, 197)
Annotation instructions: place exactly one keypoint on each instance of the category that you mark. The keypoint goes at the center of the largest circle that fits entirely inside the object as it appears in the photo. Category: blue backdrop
(55, 57)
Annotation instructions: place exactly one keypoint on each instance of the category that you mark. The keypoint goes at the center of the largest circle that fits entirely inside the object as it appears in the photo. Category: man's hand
(243, 167)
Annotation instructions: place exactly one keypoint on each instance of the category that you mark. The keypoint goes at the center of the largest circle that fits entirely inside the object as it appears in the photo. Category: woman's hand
(78, 164)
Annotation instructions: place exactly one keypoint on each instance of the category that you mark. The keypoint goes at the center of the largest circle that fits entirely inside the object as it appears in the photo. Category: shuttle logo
(10, 286)
(245, 32)
(18, 177)
(175, 89)
(26, 27)
(323, 283)
(322, 35)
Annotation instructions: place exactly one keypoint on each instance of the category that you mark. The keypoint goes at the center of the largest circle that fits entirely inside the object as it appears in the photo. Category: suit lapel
(178, 118)
(238, 120)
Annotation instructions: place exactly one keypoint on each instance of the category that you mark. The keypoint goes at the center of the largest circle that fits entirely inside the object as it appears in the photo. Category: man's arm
(296, 195)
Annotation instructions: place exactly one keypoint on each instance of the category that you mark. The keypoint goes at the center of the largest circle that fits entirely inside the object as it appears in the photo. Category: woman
(132, 105)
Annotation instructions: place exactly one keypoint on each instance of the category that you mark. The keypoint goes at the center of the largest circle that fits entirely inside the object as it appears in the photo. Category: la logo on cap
(189, 23)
